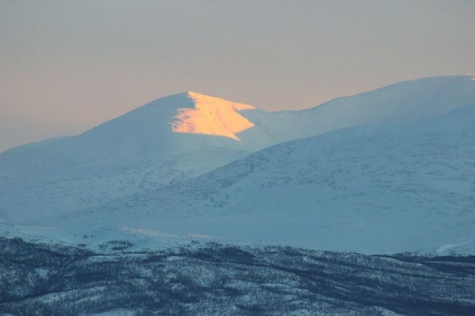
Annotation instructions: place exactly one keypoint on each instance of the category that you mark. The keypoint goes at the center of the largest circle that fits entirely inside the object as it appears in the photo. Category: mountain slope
(373, 189)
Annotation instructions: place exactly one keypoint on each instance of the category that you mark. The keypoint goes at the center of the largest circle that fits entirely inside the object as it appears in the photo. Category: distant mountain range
(383, 171)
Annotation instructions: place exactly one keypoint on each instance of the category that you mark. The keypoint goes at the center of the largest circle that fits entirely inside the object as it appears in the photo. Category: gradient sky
(66, 66)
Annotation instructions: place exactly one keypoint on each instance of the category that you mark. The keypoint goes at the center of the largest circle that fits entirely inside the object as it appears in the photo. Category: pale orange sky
(67, 66)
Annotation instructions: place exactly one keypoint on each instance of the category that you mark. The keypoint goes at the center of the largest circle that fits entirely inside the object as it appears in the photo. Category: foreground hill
(212, 279)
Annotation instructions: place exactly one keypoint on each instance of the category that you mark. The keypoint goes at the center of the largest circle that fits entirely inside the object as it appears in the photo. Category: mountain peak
(217, 102)
(211, 116)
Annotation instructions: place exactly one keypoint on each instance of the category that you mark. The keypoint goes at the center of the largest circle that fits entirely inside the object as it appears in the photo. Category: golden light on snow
(212, 116)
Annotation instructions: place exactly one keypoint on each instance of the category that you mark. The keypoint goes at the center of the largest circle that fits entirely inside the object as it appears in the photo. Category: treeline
(216, 279)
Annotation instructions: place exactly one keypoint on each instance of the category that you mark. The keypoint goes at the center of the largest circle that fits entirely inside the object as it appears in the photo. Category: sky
(66, 66)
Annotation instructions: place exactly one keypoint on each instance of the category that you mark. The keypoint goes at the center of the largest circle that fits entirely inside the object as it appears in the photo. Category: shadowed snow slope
(182, 136)
(378, 188)
(401, 102)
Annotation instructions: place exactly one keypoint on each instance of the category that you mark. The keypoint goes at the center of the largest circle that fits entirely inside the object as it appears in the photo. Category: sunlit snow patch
(212, 116)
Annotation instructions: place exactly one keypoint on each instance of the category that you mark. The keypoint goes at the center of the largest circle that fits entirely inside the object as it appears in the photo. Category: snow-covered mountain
(163, 142)
(374, 189)
(307, 189)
